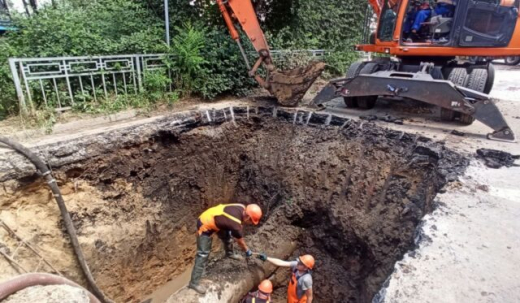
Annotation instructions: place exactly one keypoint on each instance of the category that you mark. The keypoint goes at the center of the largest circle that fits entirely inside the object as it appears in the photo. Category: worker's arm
(309, 294)
(242, 243)
(278, 262)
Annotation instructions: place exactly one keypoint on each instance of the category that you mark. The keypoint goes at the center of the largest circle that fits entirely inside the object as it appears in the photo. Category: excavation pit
(348, 192)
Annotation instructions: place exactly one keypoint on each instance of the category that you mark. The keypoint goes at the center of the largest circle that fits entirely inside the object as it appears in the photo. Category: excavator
(420, 43)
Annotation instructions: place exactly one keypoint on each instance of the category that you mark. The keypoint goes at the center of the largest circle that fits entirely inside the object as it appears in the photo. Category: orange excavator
(422, 41)
(287, 86)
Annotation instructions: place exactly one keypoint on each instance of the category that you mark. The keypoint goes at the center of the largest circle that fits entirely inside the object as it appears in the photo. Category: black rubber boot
(198, 288)
(201, 259)
(227, 241)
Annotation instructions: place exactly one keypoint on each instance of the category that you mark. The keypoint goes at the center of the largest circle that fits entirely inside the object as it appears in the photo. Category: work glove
(262, 257)
(249, 253)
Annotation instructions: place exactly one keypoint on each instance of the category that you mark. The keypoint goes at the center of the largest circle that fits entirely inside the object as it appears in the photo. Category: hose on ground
(33, 279)
(46, 174)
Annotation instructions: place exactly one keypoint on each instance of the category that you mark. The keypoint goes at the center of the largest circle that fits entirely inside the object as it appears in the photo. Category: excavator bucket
(290, 86)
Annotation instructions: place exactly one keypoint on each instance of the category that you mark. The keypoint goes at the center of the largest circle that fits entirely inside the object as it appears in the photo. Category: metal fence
(59, 82)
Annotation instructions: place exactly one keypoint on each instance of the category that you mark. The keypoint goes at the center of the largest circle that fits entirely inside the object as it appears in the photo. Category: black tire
(512, 60)
(490, 79)
(447, 114)
(369, 68)
(367, 102)
(458, 76)
(350, 102)
(466, 119)
(477, 79)
(354, 69)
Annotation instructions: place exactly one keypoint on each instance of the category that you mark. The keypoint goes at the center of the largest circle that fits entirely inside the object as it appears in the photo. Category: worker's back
(253, 297)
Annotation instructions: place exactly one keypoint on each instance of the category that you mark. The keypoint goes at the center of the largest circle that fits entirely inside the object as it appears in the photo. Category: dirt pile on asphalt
(355, 191)
(497, 158)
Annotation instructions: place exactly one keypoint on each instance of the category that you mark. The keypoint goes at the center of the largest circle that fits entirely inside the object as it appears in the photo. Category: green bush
(206, 61)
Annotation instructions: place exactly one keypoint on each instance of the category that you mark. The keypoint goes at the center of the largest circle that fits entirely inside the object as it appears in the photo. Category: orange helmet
(307, 260)
(266, 287)
(254, 212)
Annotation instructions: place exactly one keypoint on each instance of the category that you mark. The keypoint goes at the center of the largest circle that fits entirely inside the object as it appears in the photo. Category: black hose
(46, 173)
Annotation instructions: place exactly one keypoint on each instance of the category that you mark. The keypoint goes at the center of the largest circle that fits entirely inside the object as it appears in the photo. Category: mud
(496, 158)
(348, 192)
(290, 86)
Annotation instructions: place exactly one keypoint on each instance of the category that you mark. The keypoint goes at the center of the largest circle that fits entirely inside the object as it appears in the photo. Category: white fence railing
(63, 77)
(59, 81)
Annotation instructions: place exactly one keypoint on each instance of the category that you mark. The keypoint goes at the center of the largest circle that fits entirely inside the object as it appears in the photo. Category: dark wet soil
(357, 191)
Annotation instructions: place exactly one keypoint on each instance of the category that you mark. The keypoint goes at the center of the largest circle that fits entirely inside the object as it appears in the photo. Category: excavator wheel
(367, 102)
(361, 68)
(369, 68)
(351, 102)
(490, 79)
(353, 71)
(458, 76)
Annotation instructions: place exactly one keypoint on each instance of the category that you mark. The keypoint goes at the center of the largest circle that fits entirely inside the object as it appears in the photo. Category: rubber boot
(201, 259)
(228, 248)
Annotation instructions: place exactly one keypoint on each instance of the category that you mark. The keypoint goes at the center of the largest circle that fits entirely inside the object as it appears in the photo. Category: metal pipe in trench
(46, 173)
(33, 279)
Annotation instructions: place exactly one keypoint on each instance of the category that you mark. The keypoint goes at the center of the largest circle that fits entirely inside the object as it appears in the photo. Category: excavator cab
(423, 41)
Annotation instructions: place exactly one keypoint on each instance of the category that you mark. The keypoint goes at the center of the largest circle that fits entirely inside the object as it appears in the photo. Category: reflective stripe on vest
(208, 217)
(254, 300)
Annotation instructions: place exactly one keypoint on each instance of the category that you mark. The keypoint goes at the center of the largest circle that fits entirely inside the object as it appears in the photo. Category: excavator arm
(376, 5)
(287, 86)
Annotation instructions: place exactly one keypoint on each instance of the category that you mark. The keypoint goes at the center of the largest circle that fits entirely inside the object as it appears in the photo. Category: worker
(227, 221)
(410, 18)
(445, 8)
(262, 295)
(300, 285)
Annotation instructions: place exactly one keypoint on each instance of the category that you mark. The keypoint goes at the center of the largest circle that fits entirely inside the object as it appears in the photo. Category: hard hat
(266, 287)
(307, 260)
(254, 212)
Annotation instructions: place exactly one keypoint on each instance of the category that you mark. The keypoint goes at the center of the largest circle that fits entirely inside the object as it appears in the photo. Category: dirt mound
(496, 158)
(356, 193)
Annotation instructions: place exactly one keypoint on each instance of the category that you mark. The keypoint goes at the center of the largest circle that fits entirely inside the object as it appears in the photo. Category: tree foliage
(208, 61)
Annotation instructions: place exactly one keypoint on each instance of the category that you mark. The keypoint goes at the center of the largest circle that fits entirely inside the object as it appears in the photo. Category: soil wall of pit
(355, 191)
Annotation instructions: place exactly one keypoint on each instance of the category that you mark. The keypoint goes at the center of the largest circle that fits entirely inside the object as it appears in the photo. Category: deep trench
(355, 193)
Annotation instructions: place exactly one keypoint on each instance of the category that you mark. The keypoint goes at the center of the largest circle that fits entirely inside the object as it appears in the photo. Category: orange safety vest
(292, 295)
(208, 217)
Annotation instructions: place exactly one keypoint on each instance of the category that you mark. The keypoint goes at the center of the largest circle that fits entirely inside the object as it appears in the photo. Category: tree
(34, 5)
(4, 7)
(26, 8)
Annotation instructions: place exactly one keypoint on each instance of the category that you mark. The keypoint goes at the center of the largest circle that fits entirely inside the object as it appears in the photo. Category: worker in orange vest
(300, 285)
(227, 221)
(262, 295)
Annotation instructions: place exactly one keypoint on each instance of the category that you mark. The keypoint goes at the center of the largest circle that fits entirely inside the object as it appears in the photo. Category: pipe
(247, 274)
(33, 279)
(46, 173)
